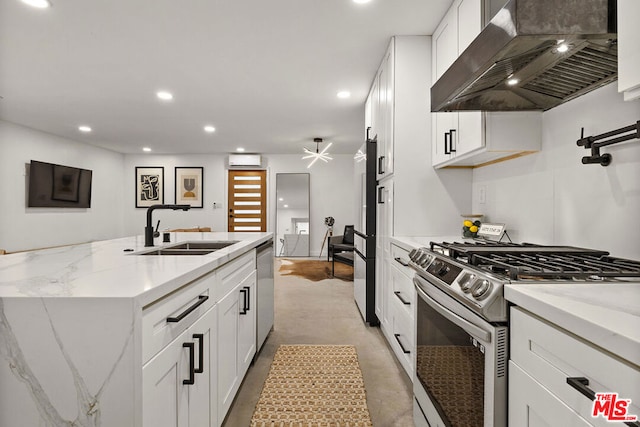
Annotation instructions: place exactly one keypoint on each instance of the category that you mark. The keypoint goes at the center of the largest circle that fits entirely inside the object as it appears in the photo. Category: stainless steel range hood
(522, 42)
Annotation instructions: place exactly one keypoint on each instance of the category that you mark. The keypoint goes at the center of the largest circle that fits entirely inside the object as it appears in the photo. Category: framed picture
(66, 183)
(149, 186)
(189, 186)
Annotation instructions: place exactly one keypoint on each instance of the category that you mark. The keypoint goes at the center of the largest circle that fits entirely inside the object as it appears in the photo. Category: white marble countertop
(104, 270)
(605, 314)
(414, 242)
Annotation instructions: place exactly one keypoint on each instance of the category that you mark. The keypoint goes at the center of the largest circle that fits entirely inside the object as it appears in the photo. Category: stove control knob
(466, 281)
(482, 289)
(423, 257)
(444, 269)
(413, 254)
(425, 262)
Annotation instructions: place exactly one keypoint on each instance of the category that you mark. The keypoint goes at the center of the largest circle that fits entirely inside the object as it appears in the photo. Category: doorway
(247, 200)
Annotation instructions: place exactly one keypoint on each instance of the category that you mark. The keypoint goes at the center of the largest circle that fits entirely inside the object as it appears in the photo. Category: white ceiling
(265, 73)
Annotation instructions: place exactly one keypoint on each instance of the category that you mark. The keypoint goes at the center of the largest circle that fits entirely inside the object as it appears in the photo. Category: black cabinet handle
(244, 301)
(446, 143)
(381, 165)
(581, 384)
(192, 375)
(451, 149)
(404, 350)
(247, 302)
(405, 302)
(401, 262)
(380, 198)
(201, 300)
(200, 338)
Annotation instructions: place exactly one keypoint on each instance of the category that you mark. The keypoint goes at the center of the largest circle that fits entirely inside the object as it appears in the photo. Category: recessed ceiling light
(281, 199)
(513, 81)
(40, 4)
(165, 96)
(209, 129)
(84, 128)
(146, 149)
(240, 149)
(361, 1)
(286, 206)
(343, 94)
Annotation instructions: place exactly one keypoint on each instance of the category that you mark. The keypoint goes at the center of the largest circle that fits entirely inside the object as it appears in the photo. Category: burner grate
(526, 261)
(556, 266)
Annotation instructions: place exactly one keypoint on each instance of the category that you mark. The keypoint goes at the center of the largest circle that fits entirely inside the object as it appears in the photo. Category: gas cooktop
(475, 273)
(528, 261)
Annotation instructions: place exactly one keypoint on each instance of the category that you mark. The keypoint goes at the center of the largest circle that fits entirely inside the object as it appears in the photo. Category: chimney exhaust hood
(519, 62)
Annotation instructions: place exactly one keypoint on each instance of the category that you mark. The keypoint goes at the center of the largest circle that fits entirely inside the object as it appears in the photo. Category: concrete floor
(325, 313)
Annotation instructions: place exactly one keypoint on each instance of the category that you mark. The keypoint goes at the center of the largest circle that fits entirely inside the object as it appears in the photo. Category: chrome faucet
(148, 230)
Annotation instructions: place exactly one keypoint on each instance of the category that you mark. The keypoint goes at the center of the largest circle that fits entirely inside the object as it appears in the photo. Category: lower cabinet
(198, 344)
(179, 382)
(236, 340)
(532, 405)
(398, 300)
(552, 372)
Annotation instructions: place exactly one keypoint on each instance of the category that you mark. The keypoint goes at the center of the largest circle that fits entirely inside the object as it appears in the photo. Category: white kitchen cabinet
(384, 115)
(473, 138)
(236, 329)
(179, 382)
(247, 324)
(455, 133)
(398, 97)
(532, 405)
(543, 358)
(401, 296)
(628, 51)
(384, 229)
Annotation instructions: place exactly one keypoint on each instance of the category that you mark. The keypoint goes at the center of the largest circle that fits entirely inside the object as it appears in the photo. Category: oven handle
(472, 329)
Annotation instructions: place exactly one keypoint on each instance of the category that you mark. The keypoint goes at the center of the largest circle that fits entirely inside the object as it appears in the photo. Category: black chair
(343, 243)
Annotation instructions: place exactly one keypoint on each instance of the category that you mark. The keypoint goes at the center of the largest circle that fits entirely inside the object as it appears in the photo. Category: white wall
(23, 228)
(332, 193)
(214, 184)
(332, 190)
(552, 198)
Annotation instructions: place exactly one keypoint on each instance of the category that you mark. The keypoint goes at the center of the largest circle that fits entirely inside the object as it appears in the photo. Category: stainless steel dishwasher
(265, 293)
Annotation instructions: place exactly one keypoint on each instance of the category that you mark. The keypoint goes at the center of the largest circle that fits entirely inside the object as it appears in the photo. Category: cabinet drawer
(229, 275)
(400, 258)
(402, 290)
(530, 404)
(551, 355)
(184, 307)
(402, 336)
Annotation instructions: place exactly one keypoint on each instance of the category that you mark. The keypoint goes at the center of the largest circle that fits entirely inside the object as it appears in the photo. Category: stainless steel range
(462, 320)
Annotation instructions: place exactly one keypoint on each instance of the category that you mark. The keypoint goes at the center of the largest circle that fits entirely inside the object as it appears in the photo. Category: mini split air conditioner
(245, 161)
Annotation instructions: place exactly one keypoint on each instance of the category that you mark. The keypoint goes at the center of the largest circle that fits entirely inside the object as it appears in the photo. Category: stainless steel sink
(171, 251)
(213, 245)
(192, 248)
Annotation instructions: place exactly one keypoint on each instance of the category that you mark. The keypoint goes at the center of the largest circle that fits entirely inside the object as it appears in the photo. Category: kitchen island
(98, 334)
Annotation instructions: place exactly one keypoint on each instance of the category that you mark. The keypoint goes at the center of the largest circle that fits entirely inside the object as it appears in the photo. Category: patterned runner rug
(313, 386)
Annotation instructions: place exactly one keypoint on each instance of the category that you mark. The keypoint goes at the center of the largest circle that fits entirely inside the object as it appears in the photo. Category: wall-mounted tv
(57, 186)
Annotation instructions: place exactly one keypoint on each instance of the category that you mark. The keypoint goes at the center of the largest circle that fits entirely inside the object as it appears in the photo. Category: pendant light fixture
(322, 155)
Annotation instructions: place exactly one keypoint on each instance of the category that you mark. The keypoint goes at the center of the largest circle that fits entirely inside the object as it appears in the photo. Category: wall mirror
(292, 214)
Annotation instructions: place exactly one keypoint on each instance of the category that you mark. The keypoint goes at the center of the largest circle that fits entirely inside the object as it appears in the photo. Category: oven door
(460, 363)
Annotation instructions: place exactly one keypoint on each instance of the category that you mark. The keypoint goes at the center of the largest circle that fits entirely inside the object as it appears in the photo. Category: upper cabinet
(397, 104)
(474, 138)
(628, 51)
